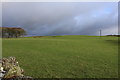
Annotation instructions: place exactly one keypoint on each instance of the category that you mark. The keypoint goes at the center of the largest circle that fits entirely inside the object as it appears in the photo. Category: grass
(65, 56)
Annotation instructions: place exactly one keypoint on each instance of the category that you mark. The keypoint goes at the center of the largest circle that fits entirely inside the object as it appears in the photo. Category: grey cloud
(57, 18)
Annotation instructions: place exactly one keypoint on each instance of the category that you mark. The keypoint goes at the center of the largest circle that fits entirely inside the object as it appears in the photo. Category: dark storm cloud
(56, 18)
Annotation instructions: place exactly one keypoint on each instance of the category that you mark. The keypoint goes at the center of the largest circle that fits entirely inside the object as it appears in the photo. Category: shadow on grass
(115, 42)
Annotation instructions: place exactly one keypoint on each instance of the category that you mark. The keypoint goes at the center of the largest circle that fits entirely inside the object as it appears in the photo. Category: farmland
(72, 56)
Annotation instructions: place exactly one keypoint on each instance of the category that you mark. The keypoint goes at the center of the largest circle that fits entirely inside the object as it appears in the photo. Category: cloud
(61, 18)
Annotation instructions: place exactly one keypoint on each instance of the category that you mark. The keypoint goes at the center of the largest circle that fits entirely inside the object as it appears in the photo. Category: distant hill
(114, 35)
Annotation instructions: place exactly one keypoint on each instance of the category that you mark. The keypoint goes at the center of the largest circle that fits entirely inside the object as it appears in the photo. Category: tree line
(12, 32)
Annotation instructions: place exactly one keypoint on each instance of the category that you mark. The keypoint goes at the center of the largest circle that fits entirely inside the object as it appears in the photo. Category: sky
(62, 18)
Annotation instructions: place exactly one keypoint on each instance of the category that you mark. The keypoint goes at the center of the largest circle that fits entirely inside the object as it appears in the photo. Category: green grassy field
(65, 56)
